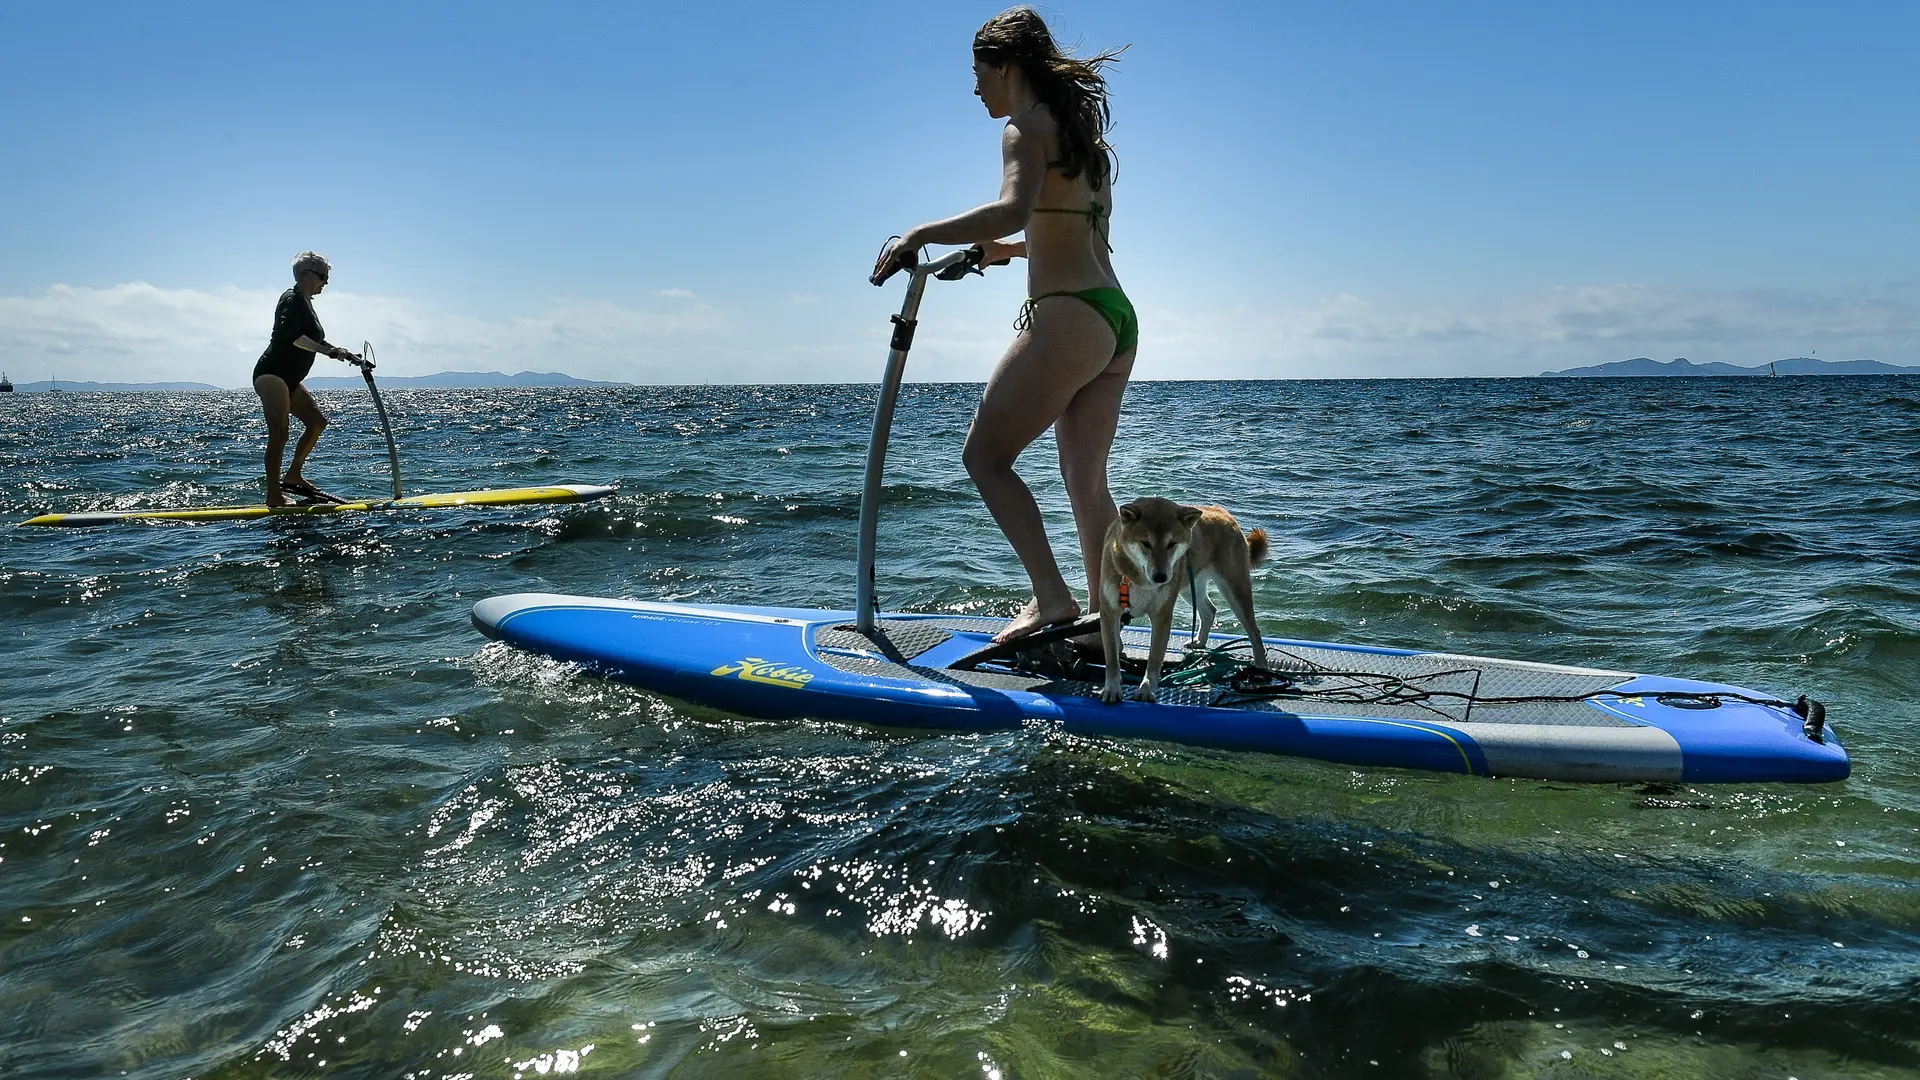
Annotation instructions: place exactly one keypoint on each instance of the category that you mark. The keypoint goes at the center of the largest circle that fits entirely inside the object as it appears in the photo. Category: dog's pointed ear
(1130, 513)
(1190, 516)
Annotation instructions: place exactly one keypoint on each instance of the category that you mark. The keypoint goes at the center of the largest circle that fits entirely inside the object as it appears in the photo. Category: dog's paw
(1144, 693)
(1111, 695)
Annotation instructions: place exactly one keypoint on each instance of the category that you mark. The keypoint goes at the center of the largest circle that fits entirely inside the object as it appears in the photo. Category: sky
(688, 193)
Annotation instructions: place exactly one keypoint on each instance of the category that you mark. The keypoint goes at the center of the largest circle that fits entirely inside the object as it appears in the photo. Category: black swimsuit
(292, 320)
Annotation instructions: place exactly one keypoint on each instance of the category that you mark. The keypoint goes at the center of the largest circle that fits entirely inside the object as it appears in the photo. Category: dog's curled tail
(1256, 546)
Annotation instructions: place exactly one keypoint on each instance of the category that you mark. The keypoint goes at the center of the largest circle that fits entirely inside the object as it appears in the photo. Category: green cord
(1215, 664)
(1205, 667)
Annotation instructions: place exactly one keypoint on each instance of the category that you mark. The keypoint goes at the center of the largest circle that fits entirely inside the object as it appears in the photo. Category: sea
(270, 806)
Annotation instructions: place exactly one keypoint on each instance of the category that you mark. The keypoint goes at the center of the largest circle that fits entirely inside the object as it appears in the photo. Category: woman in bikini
(278, 375)
(1068, 364)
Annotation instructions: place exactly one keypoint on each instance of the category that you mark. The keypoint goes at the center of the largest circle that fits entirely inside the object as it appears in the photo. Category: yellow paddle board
(558, 493)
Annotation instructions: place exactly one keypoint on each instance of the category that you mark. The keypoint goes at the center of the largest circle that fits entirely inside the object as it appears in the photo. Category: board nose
(491, 614)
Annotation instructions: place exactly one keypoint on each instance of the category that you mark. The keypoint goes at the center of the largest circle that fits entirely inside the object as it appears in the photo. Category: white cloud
(138, 333)
(135, 328)
(1346, 336)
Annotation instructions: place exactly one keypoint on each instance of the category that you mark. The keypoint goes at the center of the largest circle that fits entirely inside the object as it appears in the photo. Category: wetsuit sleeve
(292, 320)
(286, 324)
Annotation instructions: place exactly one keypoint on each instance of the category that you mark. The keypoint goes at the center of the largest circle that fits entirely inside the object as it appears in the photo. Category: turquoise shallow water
(270, 807)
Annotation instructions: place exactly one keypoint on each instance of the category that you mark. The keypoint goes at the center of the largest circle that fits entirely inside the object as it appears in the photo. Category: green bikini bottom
(1113, 306)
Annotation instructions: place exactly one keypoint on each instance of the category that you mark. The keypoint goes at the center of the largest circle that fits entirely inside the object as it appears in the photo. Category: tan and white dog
(1159, 549)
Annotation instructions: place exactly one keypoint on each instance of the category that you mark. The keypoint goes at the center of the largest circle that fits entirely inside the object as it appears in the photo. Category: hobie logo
(754, 669)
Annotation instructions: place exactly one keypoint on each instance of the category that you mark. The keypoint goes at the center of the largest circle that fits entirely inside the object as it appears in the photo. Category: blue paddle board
(1353, 704)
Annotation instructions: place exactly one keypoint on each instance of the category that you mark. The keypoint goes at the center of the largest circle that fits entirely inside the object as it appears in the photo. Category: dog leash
(1193, 600)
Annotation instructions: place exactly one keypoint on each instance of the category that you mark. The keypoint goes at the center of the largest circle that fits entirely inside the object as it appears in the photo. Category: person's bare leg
(1084, 434)
(1066, 346)
(274, 400)
(313, 422)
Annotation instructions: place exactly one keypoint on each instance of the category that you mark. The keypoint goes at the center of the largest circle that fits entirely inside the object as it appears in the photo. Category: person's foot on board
(307, 491)
(1034, 617)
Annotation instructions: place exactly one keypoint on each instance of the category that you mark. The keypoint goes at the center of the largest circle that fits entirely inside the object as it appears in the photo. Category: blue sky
(687, 193)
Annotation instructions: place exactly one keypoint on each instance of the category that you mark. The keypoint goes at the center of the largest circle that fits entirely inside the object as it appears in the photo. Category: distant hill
(1798, 365)
(96, 387)
(445, 380)
(461, 380)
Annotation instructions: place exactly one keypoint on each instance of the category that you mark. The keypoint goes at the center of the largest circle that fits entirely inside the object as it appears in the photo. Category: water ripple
(269, 807)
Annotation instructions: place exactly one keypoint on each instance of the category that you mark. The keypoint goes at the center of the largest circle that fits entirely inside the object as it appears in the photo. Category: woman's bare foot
(1033, 617)
(275, 497)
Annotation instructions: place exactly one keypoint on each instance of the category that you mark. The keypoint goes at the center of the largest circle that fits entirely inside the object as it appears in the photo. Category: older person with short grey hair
(278, 375)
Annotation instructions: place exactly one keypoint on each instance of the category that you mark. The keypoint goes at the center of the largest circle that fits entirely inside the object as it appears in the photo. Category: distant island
(1798, 365)
(461, 380)
(98, 387)
(445, 380)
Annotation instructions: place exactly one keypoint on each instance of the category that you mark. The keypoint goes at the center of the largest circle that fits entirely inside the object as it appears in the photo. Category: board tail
(1256, 546)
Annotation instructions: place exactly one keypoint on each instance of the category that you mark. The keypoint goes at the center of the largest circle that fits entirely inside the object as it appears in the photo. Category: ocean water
(269, 807)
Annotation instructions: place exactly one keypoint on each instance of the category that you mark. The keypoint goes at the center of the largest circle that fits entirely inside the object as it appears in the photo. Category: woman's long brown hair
(1073, 88)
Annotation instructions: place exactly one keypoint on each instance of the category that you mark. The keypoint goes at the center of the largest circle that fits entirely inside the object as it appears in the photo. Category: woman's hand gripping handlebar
(954, 265)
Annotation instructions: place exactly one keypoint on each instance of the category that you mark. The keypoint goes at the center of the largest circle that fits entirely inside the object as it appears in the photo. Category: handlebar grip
(892, 265)
(968, 265)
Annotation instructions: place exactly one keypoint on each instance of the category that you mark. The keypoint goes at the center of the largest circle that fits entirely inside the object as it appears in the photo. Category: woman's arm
(311, 337)
(998, 253)
(307, 343)
(1024, 157)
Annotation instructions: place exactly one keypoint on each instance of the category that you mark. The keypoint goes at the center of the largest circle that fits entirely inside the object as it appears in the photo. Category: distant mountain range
(490, 380)
(1798, 365)
(445, 380)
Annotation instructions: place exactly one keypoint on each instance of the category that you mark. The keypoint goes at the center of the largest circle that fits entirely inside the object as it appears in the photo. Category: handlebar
(952, 266)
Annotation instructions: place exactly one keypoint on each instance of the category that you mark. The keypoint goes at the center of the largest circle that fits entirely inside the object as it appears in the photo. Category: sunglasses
(318, 274)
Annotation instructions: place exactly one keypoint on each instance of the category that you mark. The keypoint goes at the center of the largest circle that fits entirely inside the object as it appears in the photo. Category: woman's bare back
(1067, 234)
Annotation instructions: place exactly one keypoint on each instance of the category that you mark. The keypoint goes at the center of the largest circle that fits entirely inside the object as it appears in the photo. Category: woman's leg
(313, 422)
(1084, 434)
(1066, 346)
(274, 399)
